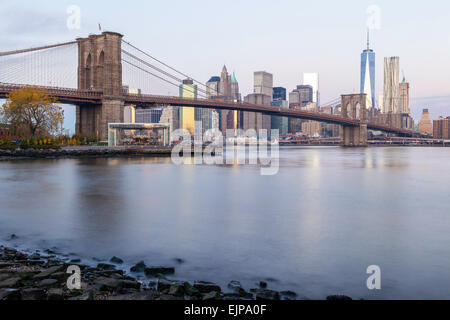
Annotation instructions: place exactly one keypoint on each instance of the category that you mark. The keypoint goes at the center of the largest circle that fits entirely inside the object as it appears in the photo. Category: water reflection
(314, 227)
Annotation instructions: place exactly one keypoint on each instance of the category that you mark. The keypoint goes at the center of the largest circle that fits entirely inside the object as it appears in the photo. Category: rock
(10, 294)
(239, 291)
(35, 256)
(106, 266)
(177, 290)
(33, 294)
(55, 294)
(211, 296)
(191, 291)
(164, 285)
(206, 287)
(338, 298)
(116, 260)
(154, 271)
(267, 295)
(4, 265)
(289, 294)
(13, 237)
(87, 296)
(263, 285)
(75, 261)
(10, 283)
(138, 296)
(108, 284)
(179, 261)
(139, 267)
(60, 276)
(47, 273)
(48, 283)
(128, 284)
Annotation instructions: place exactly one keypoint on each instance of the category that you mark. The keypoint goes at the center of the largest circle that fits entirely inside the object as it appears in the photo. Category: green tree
(30, 111)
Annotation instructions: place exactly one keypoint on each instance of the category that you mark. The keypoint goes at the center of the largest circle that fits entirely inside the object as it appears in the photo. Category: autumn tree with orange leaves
(31, 112)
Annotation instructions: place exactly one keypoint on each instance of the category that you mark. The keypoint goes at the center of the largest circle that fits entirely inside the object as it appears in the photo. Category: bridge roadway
(95, 97)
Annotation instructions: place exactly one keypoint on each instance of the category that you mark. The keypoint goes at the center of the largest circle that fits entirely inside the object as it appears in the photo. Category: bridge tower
(354, 106)
(100, 68)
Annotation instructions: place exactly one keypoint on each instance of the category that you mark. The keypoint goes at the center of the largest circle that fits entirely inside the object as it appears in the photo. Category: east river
(313, 228)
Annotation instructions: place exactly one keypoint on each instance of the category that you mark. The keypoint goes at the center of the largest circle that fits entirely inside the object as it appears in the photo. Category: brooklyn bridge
(100, 99)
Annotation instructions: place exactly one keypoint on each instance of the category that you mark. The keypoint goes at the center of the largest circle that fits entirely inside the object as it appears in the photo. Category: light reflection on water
(313, 228)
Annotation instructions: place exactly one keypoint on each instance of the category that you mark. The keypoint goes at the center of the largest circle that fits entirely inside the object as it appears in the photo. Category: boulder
(10, 283)
(55, 294)
(4, 265)
(48, 283)
(206, 287)
(154, 271)
(106, 266)
(33, 294)
(267, 295)
(289, 294)
(10, 294)
(263, 284)
(213, 295)
(47, 273)
(139, 267)
(116, 260)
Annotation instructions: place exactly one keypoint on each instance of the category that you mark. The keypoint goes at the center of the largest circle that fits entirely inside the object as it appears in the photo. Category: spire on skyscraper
(368, 39)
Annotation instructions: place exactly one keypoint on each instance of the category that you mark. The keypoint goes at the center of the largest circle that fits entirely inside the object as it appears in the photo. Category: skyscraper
(404, 97)
(368, 74)
(425, 125)
(279, 94)
(187, 114)
(312, 79)
(263, 83)
(391, 95)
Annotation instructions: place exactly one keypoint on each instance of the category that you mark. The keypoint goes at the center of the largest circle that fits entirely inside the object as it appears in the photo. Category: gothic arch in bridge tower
(100, 68)
(354, 106)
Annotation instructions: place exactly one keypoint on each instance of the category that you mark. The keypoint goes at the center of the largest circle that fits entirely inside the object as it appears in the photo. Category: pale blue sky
(284, 37)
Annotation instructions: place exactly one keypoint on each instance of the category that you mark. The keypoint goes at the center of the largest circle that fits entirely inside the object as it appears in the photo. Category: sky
(284, 37)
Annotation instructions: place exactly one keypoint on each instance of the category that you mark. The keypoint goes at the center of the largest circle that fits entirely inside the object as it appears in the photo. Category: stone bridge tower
(354, 106)
(100, 68)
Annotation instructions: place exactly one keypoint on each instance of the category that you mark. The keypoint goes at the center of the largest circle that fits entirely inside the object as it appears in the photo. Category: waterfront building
(441, 128)
(187, 114)
(212, 92)
(368, 74)
(148, 115)
(312, 79)
(391, 96)
(425, 125)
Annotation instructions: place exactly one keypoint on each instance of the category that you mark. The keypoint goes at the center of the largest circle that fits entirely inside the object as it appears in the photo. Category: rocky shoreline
(19, 154)
(43, 276)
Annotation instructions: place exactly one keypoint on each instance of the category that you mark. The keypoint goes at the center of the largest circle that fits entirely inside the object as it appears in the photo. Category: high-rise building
(298, 99)
(212, 92)
(149, 115)
(404, 97)
(425, 125)
(312, 79)
(263, 83)
(279, 94)
(280, 123)
(391, 94)
(187, 114)
(441, 128)
(368, 74)
(255, 120)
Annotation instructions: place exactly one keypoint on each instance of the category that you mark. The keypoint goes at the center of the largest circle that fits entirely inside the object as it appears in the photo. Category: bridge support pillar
(354, 136)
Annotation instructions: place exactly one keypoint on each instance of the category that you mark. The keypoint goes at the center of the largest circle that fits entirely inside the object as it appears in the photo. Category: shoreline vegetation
(42, 275)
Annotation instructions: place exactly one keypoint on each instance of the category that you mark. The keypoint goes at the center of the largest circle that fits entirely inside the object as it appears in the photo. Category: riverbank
(83, 152)
(43, 276)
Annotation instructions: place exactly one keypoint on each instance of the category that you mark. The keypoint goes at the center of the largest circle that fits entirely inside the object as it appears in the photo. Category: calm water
(313, 228)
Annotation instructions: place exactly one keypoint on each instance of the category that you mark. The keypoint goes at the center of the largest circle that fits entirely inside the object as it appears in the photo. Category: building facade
(368, 74)
(187, 114)
(425, 125)
(391, 95)
(441, 128)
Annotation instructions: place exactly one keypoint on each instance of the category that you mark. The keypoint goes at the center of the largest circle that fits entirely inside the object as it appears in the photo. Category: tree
(30, 111)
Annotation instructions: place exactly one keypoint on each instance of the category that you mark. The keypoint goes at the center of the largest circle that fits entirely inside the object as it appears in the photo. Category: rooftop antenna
(368, 39)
